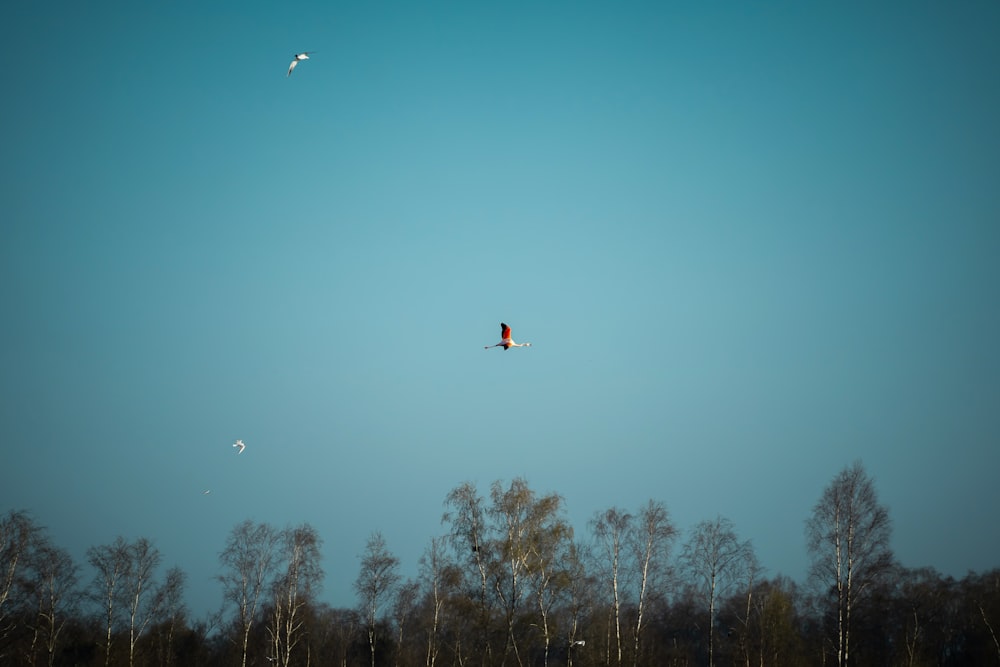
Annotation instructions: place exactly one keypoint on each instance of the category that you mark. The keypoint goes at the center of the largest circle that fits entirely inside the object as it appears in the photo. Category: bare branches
(715, 557)
(654, 535)
(249, 561)
(611, 530)
(111, 563)
(17, 534)
(377, 578)
(993, 634)
(848, 539)
(126, 591)
(294, 589)
(634, 552)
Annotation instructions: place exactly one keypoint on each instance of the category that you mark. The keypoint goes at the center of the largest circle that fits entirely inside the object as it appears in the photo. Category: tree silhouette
(848, 540)
(714, 557)
(376, 580)
(249, 561)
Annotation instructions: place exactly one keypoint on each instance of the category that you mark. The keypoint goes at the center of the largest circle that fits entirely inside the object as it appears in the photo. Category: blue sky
(750, 242)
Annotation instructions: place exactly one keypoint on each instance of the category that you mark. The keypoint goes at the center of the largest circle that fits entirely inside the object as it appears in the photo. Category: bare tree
(172, 610)
(989, 626)
(377, 579)
(550, 547)
(126, 590)
(17, 534)
(848, 540)
(295, 588)
(508, 549)
(54, 585)
(521, 520)
(750, 571)
(474, 547)
(714, 557)
(403, 605)
(345, 625)
(249, 561)
(612, 530)
(580, 586)
(438, 577)
(142, 600)
(58, 595)
(767, 616)
(652, 539)
(111, 563)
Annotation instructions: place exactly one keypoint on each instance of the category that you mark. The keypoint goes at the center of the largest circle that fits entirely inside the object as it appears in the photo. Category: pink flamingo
(507, 341)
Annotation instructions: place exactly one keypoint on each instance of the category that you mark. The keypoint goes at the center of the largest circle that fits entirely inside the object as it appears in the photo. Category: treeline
(508, 583)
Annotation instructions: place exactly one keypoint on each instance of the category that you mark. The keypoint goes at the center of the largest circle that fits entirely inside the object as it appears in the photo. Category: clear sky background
(750, 242)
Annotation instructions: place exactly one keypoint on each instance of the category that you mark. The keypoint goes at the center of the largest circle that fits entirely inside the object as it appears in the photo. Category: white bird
(206, 492)
(299, 57)
(507, 341)
(239, 444)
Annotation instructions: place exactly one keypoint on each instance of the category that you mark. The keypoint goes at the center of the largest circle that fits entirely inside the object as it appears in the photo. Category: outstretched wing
(291, 67)
(504, 331)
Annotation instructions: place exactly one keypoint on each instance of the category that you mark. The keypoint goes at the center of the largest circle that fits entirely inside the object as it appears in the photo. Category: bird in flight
(299, 57)
(507, 341)
(206, 492)
(239, 445)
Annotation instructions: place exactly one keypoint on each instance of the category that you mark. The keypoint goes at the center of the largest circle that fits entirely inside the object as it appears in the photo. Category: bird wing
(291, 67)
(504, 331)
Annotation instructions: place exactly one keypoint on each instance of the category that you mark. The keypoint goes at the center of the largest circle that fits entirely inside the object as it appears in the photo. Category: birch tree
(111, 563)
(249, 561)
(377, 579)
(52, 583)
(474, 547)
(714, 557)
(549, 545)
(438, 577)
(172, 611)
(142, 600)
(848, 541)
(612, 530)
(652, 540)
(517, 517)
(748, 577)
(404, 603)
(294, 589)
(580, 587)
(17, 534)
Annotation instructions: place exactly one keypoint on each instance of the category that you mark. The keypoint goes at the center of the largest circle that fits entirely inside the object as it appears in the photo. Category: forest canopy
(508, 582)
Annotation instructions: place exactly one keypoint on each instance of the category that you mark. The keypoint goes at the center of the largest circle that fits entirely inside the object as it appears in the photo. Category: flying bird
(206, 492)
(299, 57)
(507, 341)
(239, 444)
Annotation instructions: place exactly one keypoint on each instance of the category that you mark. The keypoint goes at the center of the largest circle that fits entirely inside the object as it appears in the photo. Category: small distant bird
(299, 57)
(239, 444)
(507, 341)
(206, 492)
